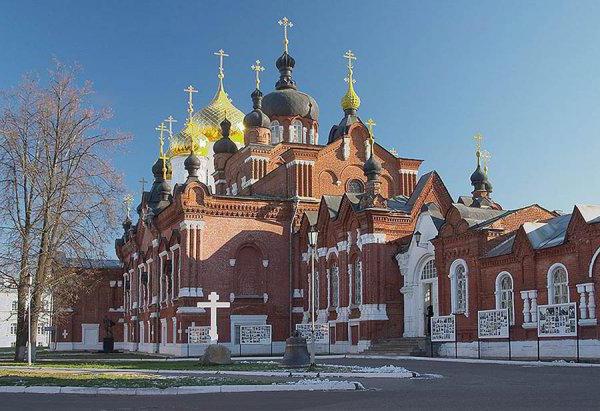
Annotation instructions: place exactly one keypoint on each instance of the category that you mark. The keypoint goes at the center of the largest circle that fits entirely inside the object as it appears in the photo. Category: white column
(533, 297)
(591, 300)
(526, 311)
(582, 304)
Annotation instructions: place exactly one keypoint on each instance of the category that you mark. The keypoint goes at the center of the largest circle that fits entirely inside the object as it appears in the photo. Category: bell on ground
(296, 352)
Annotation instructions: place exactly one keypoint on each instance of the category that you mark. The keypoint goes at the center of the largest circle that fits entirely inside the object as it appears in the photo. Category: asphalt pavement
(444, 385)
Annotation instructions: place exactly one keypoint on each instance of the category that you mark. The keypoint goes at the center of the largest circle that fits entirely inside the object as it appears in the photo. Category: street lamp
(417, 236)
(29, 282)
(312, 242)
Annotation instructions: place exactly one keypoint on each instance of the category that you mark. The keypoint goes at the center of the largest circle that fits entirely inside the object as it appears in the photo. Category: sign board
(321, 332)
(199, 335)
(255, 334)
(557, 320)
(49, 328)
(492, 323)
(443, 328)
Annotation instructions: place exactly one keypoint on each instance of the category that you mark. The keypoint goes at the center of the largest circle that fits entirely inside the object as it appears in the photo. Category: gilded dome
(205, 126)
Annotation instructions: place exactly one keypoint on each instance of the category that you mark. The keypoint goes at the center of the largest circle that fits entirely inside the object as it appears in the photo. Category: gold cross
(371, 124)
(221, 53)
(478, 139)
(350, 56)
(285, 22)
(161, 128)
(257, 68)
(170, 120)
(127, 201)
(190, 90)
(393, 152)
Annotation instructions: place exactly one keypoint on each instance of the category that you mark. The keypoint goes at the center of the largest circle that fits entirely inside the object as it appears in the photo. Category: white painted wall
(8, 316)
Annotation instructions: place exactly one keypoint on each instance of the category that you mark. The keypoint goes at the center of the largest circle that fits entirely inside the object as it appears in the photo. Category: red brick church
(233, 200)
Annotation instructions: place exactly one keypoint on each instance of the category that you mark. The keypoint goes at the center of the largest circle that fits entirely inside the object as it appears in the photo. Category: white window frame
(275, 132)
(296, 131)
(454, 286)
(425, 265)
(500, 292)
(551, 285)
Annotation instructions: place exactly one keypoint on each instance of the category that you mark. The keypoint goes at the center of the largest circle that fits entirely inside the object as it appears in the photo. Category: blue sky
(525, 74)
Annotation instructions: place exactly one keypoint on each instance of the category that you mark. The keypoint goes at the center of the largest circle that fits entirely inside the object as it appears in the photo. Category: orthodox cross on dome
(393, 152)
(213, 304)
(257, 68)
(371, 123)
(190, 90)
(143, 182)
(350, 101)
(478, 140)
(350, 56)
(485, 156)
(127, 201)
(285, 22)
(170, 120)
(161, 129)
(221, 54)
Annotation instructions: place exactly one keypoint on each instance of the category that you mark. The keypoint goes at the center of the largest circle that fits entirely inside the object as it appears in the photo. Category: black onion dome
(488, 186)
(157, 169)
(478, 178)
(225, 144)
(372, 168)
(286, 100)
(256, 118)
(192, 164)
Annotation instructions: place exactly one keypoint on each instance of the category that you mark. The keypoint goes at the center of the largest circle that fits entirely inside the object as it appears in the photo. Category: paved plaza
(442, 385)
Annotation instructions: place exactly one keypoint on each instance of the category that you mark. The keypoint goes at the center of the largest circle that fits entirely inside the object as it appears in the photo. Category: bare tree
(59, 189)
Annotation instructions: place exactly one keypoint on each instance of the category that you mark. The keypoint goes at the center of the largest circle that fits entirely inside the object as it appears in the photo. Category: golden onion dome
(179, 144)
(210, 117)
(350, 101)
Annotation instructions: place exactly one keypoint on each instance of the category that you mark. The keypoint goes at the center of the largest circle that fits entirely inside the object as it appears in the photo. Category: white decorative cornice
(332, 250)
(299, 162)
(250, 158)
(175, 247)
(370, 238)
(232, 262)
(190, 310)
(373, 312)
(408, 171)
(163, 254)
(190, 224)
(191, 292)
(298, 293)
(342, 246)
(220, 181)
(149, 261)
(265, 263)
(322, 252)
(134, 256)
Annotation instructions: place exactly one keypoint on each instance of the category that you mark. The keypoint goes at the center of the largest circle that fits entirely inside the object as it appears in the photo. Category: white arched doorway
(426, 280)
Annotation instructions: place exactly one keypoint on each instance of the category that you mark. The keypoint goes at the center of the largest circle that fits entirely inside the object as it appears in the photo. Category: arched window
(296, 131)
(558, 284)
(429, 271)
(505, 294)
(357, 282)
(275, 132)
(334, 273)
(460, 289)
(355, 186)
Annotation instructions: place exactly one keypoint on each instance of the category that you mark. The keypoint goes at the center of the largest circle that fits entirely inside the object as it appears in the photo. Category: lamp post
(312, 242)
(29, 321)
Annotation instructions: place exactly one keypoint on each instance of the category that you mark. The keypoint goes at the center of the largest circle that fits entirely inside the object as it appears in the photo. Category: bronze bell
(296, 352)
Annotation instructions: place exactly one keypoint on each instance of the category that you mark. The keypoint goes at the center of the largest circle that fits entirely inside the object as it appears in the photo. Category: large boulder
(216, 355)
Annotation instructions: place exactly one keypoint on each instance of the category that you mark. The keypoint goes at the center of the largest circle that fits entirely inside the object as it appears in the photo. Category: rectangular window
(14, 305)
(335, 286)
(357, 283)
(13, 328)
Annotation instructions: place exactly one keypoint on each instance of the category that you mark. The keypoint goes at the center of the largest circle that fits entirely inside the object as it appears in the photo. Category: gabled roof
(333, 204)
(547, 234)
(590, 213)
(479, 218)
(504, 248)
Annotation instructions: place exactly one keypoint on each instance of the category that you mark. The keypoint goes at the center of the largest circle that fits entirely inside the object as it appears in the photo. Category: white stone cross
(64, 334)
(213, 304)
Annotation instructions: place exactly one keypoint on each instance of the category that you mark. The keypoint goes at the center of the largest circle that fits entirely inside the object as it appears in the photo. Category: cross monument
(213, 303)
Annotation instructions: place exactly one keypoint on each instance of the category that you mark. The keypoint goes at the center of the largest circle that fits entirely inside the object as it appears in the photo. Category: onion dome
(179, 144)
(192, 164)
(256, 118)
(372, 168)
(478, 179)
(350, 102)
(286, 100)
(157, 169)
(225, 144)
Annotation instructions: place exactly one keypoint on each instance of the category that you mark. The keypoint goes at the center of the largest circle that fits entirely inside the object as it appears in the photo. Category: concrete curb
(284, 374)
(311, 386)
(177, 359)
(475, 361)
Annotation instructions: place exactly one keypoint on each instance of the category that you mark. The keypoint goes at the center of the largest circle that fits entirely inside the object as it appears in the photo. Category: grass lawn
(113, 380)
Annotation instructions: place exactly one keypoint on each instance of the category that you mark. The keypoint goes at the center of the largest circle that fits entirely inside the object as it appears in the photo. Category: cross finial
(371, 123)
(257, 68)
(393, 152)
(350, 56)
(170, 120)
(143, 183)
(127, 201)
(161, 129)
(190, 90)
(221, 54)
(478, 140)
(285, 22)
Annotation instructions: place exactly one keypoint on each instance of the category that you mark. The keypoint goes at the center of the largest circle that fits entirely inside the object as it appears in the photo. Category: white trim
(190, 310)
(550, 282)
(373, 312)
(594, 257)
(453, 289)
(190, 224)
(300, 162)
(155, 242)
